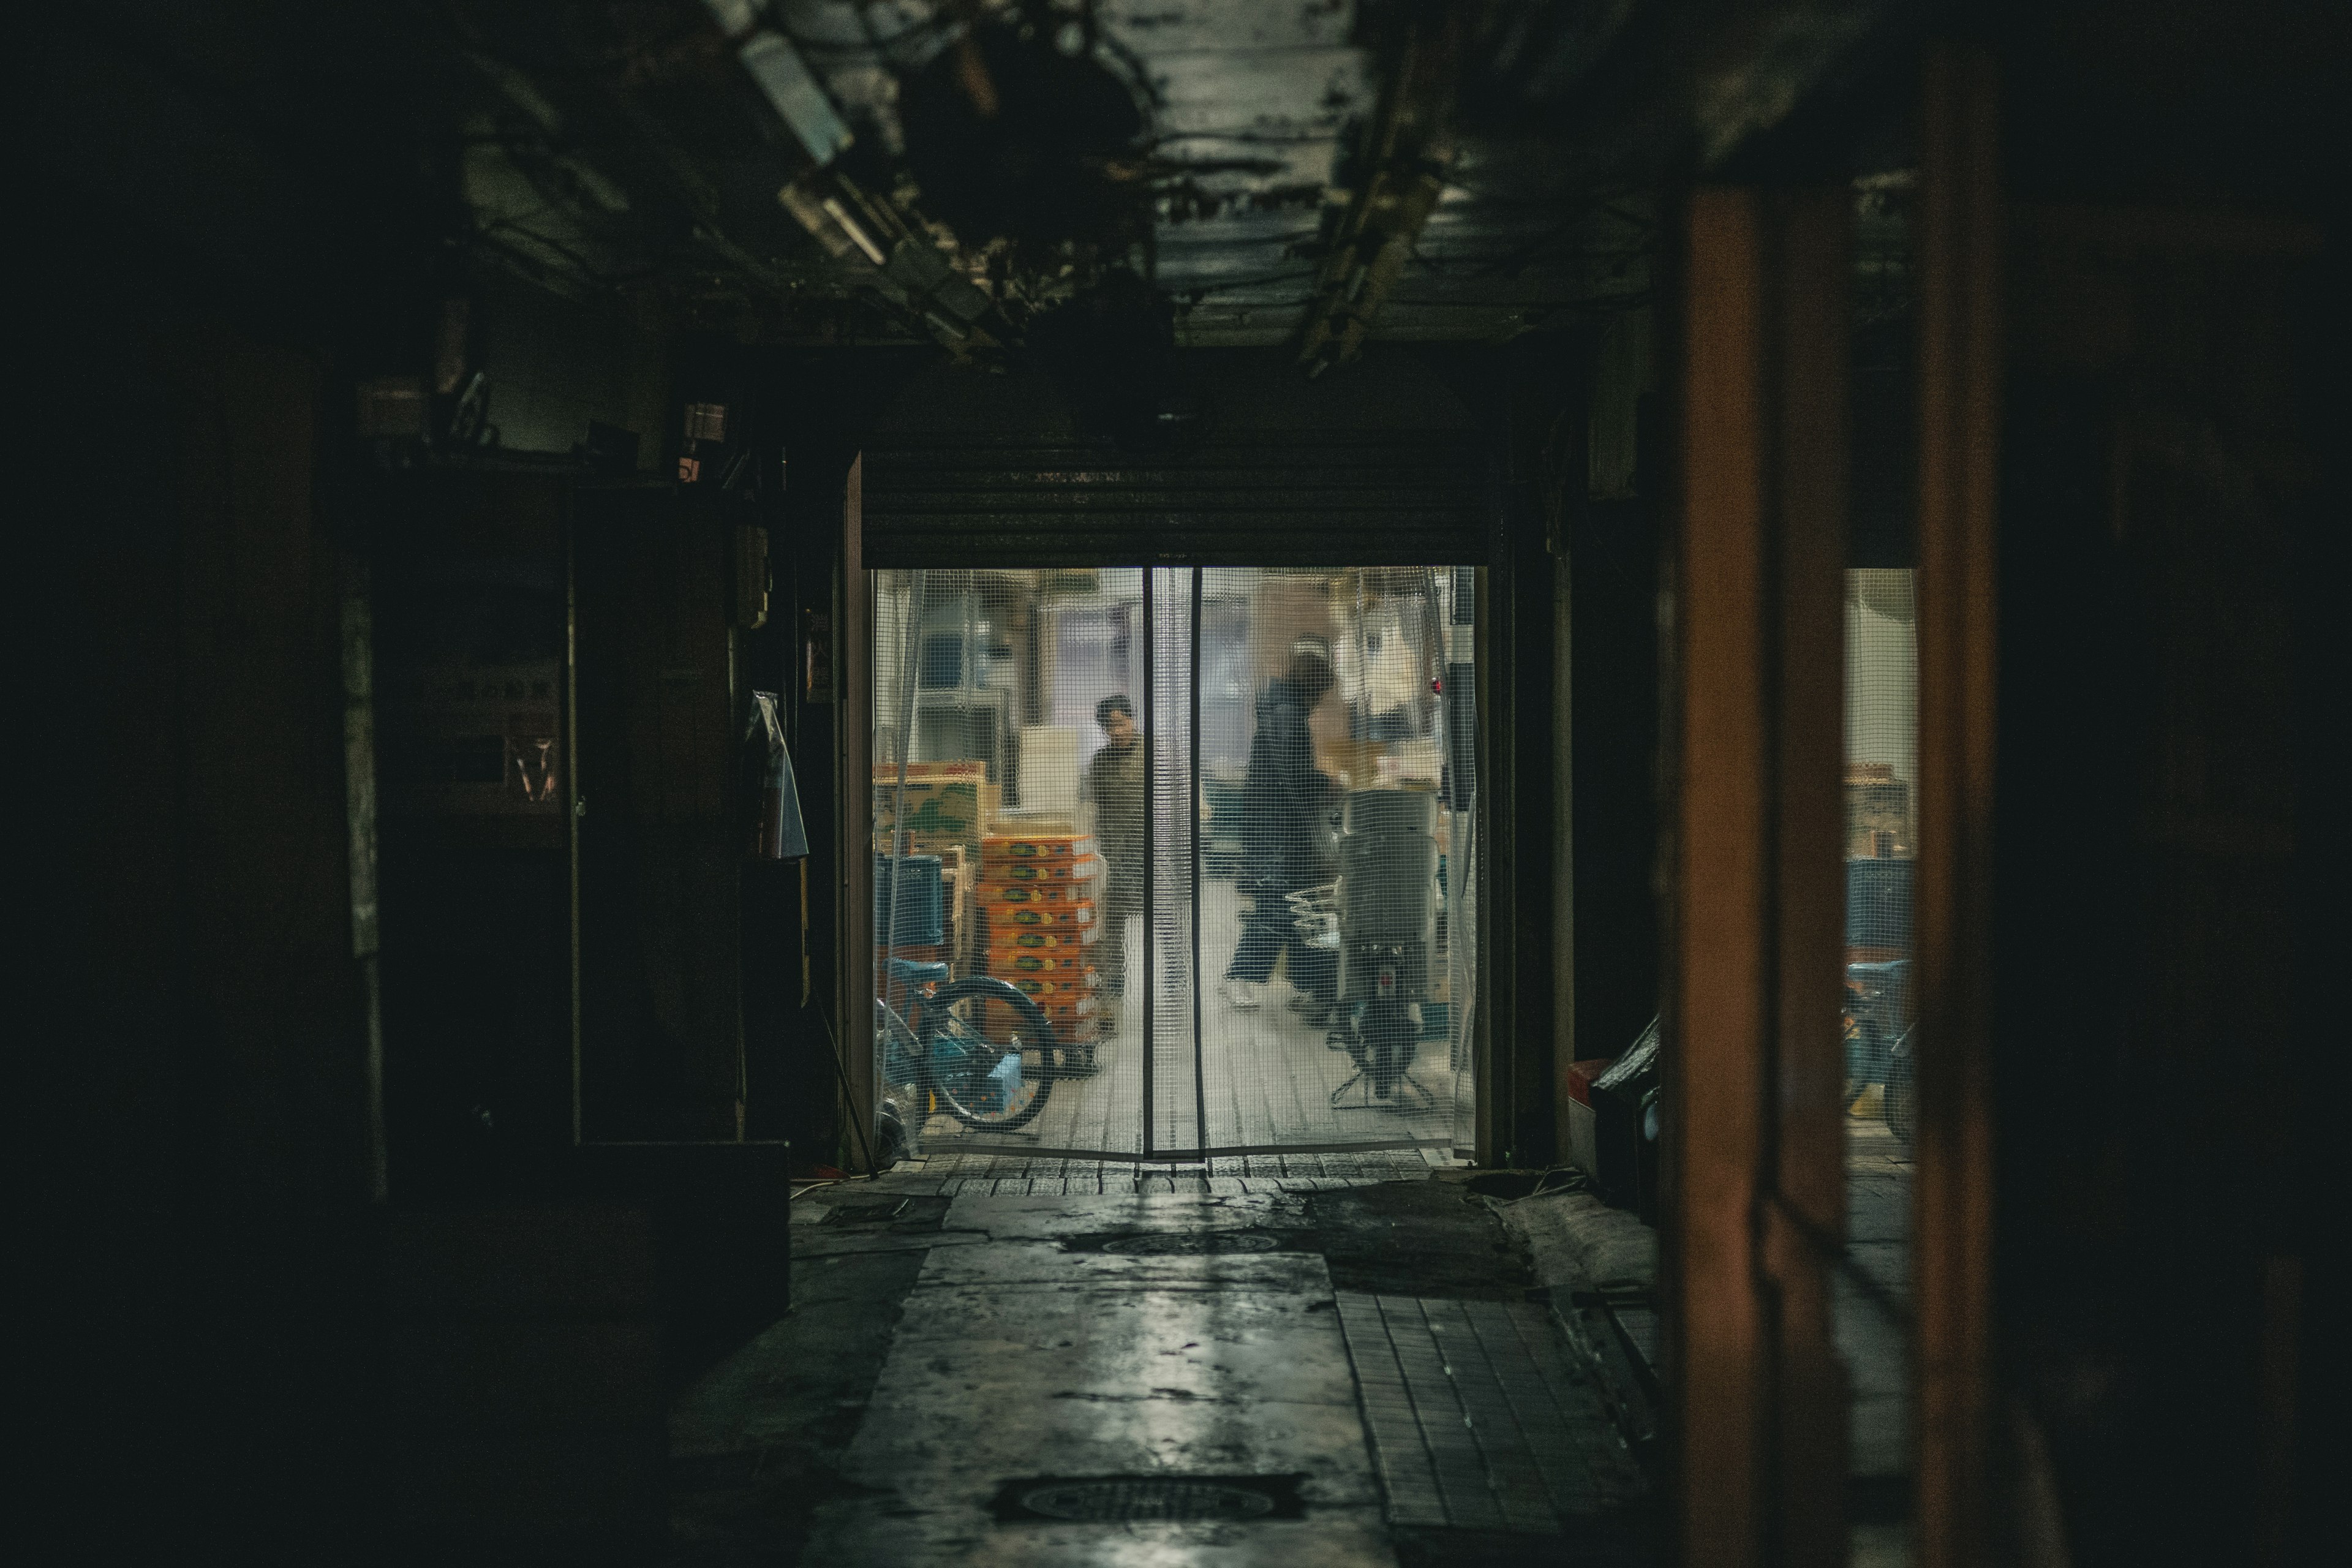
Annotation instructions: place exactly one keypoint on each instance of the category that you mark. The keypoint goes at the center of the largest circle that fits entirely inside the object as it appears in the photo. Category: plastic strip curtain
(1161, 997)
(1882, 751)
(1329, 902)
(1207, 820)
(1011, 702)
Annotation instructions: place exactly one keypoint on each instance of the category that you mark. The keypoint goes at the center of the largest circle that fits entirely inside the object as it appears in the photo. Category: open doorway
(1174, 863)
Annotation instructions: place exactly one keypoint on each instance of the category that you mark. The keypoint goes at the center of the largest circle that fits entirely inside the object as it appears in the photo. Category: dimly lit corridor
(1182, 781)
(1333, 1342)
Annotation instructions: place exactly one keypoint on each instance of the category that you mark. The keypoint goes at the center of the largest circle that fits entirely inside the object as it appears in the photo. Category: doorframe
(854, 764)
(1755, 1438)
(854, 768)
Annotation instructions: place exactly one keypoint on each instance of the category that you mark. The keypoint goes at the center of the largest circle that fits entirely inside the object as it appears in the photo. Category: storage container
(1584, 1142)
(918, 909)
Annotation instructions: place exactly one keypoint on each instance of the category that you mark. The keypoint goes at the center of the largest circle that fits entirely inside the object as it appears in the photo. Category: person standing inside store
(1285, 800)
(1114, 787)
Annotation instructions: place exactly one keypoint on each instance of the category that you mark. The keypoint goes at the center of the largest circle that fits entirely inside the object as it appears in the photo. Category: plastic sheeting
(1208, 819)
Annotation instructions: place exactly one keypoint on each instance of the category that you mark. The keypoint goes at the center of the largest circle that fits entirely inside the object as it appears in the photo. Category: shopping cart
(1315, 916)
(1381, 919)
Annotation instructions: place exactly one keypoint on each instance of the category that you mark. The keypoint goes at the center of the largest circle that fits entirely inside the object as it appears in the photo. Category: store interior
(1045, 718)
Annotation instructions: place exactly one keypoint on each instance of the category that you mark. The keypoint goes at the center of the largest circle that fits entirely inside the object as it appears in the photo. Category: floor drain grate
(1161, 1243)
(1131, 1499)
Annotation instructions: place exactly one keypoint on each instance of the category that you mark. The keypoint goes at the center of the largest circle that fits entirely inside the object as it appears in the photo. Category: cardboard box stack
(1039, 894)
(1877, 813)
(947, 803)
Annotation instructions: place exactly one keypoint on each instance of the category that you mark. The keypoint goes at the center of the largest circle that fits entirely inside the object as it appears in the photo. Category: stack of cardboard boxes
(1039, 903)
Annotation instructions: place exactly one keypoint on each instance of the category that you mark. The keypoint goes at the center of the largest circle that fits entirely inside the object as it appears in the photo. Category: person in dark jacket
(1285, 800)
(1114, 787)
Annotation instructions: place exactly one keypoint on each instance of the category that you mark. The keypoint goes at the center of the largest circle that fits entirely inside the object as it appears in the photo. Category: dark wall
(813, 407)
(2171, 469)
(465, 575)
(207, 1152)
(236, 228)
(2151, 1051)
(1613, 660)
(1534, 398)
(199, 996)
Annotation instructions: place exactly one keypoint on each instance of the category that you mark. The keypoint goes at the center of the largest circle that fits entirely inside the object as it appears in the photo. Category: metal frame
(1148, 634)
(853, 622)
(855, 732)
(1187, 1156)
(572, 806)
(1199, 1085)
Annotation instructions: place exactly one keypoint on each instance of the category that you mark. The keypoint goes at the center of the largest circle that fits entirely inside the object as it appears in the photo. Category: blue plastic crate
(1878, 903)
(922, 910)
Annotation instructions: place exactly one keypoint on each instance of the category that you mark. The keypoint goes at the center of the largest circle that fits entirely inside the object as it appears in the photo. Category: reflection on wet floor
(1366, 1357)
(1021, 1358)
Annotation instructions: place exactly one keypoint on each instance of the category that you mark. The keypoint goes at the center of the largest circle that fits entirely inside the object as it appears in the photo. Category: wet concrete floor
(1335, 1377)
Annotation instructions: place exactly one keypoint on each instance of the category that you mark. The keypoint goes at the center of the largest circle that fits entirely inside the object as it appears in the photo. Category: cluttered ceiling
(1000, 177)
(989, 173)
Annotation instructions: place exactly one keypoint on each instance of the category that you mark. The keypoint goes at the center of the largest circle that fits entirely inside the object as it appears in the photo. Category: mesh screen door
(1174, 862)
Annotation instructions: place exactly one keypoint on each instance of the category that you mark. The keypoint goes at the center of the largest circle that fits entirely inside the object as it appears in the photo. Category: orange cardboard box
(1039, 939)
(1004, 873)
(1036, 846)
(1063, 893)
(1046, 917)
(1054, 988)
(1063, 966)
(1005, 941)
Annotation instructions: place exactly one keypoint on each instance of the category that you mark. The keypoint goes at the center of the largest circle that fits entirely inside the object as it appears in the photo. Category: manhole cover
(1194, 1241)
(1145, 1499)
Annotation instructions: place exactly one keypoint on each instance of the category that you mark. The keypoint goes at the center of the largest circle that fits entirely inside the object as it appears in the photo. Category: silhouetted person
(1285, 800)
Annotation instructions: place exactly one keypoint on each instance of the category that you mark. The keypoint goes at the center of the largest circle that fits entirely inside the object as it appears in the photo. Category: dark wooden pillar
(1960, 350)
(1753, 1198)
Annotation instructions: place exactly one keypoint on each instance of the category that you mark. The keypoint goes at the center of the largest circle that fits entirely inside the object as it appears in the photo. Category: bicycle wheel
(1902, 1091)
(899, 1061)
(989, 1053)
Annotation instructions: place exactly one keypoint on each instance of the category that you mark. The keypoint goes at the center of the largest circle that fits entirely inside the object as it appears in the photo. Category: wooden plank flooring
(1269, 1079)
(949, 1174)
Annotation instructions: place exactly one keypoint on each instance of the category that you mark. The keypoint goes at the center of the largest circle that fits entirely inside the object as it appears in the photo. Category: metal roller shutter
(978, 472)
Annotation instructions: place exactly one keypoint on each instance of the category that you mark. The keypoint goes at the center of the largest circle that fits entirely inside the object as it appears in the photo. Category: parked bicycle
(1878, 1040)
(976, 1048)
